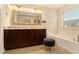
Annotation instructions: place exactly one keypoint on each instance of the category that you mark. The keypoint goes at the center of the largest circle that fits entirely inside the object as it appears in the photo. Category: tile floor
(39, 49)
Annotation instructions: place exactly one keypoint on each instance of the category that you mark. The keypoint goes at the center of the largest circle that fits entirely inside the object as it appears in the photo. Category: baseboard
(2, 51)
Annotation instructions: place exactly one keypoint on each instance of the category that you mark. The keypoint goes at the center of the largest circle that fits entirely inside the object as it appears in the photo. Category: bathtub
(70, 45)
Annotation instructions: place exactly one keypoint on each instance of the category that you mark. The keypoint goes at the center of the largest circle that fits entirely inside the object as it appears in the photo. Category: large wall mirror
(71, 17)
(26, 18)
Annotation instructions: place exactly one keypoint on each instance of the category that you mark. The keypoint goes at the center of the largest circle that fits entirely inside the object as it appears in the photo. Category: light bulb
(32, 10)
(20, 9)
(24, 9)
(16, 8)
(10, 6)
(40, 11)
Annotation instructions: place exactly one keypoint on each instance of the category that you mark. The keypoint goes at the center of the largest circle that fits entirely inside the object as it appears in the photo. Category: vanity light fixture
(25, 9)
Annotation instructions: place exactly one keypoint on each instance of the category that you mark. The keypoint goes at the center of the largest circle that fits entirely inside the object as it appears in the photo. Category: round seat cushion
(49, 42)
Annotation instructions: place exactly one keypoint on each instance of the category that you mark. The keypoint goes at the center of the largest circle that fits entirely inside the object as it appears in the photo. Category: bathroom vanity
(17, 38)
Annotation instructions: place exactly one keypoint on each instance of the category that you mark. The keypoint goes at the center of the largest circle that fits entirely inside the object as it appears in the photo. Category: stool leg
(48, 50)
(52, 49)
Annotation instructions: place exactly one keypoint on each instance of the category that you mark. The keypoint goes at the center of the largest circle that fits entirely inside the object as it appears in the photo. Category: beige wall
(69, 33)
(1, 34)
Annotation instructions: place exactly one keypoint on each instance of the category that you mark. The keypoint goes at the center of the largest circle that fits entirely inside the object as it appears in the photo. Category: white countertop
(24, 27)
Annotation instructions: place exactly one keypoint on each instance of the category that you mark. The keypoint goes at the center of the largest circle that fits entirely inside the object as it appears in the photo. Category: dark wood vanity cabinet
(17, 38)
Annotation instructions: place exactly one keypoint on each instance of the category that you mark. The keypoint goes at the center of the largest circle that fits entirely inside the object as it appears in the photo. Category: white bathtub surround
(68, 44)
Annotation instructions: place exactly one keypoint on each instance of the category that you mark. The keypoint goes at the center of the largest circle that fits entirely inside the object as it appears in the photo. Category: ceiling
(53, 6)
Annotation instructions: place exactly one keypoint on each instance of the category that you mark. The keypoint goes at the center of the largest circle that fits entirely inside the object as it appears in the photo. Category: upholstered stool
(49, 43)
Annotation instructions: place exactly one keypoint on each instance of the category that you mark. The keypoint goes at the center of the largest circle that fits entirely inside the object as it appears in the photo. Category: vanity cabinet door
(24, 38)
(10, 40)
(41, 35)
(34, 37)
(37, 36)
